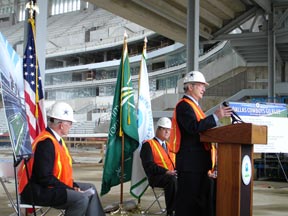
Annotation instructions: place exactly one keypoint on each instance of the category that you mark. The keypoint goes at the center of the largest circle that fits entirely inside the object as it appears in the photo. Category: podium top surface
(241, 133)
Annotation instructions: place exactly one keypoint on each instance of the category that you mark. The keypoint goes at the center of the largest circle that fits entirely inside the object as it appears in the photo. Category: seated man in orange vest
(50, 171)
(158, 163)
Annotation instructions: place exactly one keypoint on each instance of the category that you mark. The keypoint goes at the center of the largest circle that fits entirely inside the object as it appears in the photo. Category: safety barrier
(86, 149)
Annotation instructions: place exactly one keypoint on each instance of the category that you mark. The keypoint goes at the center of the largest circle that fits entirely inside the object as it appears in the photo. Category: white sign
(277, 134)
(246, 170)
(273, 115)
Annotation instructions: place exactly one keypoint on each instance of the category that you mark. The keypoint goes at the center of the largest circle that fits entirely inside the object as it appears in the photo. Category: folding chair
(39, 210)
(158, 194)
(6, 172)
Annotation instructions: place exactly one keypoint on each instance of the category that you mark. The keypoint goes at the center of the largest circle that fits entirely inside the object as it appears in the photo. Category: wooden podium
(235, 150)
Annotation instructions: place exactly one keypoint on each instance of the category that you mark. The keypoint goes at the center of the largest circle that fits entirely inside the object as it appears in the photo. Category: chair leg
(41, 211)
(157, 197)
(62, 213)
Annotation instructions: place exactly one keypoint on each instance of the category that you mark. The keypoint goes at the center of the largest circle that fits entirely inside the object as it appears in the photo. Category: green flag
(123, 123)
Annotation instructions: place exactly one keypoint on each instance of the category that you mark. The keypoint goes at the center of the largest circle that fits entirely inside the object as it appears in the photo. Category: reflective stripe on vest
(213, 157)
(175, 136)
(63, 162)
(160, 156)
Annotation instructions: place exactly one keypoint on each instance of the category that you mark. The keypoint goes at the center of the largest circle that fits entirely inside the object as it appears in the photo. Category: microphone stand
(236, 120)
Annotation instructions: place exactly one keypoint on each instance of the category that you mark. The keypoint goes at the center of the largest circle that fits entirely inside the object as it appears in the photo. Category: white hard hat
(61, 111)
(195, 76)
(164, 122)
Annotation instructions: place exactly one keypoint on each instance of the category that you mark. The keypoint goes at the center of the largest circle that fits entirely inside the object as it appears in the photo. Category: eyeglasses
(166, 129)
(200, 85)
(69, 123)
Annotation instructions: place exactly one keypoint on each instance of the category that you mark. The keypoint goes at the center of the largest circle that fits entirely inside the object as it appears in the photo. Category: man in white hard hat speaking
(193, 158)
(158, 163)
(50, 171)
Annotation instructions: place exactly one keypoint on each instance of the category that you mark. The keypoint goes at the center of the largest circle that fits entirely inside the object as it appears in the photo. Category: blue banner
(259, 109)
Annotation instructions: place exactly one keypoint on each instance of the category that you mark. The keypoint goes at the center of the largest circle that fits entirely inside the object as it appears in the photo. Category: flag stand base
(137, 210)
(120, 211)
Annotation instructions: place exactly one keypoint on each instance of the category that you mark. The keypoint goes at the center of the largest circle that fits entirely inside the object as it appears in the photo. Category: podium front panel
(233, 196)
(228, 180)
(246, 190)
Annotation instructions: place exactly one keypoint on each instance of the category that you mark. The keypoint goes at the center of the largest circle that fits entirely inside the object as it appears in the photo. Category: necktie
(164, 146)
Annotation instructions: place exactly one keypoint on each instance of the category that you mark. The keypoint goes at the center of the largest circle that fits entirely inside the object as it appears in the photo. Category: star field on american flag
(29, 68)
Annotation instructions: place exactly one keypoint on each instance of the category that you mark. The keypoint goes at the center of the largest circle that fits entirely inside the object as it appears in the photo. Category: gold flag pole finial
(145, 42)
(32, 7)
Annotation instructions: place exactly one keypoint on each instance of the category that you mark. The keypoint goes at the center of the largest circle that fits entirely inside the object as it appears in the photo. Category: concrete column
(41, 36)
(16, 12)
(192, 43)
(285, 72)
(271, 59)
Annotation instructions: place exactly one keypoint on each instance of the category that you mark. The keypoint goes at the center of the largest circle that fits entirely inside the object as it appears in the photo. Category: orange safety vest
(62, 165)
(175, 136)
(161, 158)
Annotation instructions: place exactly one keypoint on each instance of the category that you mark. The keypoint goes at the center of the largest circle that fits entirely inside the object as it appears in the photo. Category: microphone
(234, 115)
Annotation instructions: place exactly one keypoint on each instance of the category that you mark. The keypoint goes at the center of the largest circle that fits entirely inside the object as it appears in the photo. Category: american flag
(33, 91)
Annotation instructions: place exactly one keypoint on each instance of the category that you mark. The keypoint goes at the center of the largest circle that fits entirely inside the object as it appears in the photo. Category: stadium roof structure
(218, 18)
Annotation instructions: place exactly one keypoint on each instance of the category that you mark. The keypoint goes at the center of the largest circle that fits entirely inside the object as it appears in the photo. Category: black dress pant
(194, 194)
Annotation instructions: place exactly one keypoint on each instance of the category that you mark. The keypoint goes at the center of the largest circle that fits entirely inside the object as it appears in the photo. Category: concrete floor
(269, 198)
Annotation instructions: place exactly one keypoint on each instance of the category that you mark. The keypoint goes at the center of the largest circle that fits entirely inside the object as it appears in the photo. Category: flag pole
(121, 131)
(32, 8)
(121, 211)
(139, 81)
(122, 171)
(139, 182)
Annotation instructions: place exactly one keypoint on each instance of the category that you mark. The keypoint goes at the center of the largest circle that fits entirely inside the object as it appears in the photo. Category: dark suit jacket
(47, 189)
(152, 170)
(192, 156)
